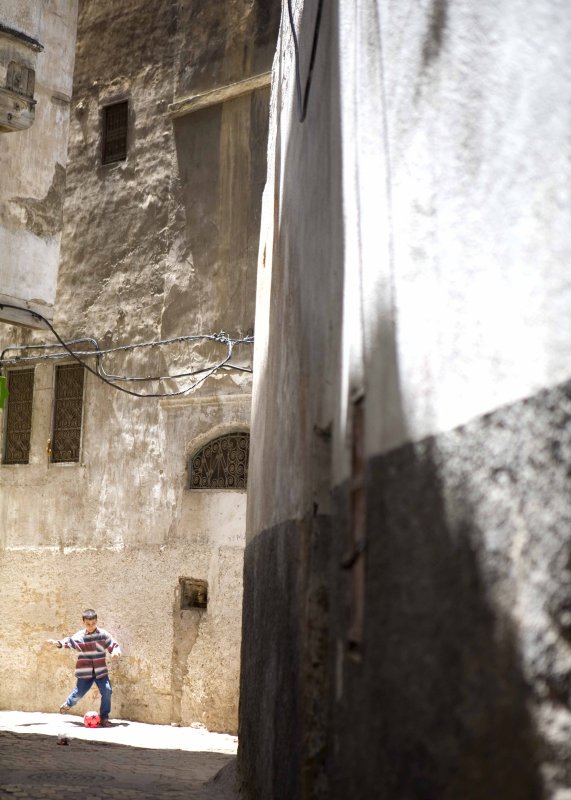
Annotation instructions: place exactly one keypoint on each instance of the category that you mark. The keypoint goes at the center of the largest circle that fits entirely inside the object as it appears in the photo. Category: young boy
(91, 666)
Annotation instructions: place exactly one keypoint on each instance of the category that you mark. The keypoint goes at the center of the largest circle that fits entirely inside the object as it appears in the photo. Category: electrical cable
(99, 353)
(18, 360)
(302, 99)
(206, 372)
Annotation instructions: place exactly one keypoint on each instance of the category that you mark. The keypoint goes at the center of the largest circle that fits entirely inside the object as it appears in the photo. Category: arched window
(221, 464)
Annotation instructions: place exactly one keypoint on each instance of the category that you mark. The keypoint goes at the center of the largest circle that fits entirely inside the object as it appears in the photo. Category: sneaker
(105, 724)
(64, 709)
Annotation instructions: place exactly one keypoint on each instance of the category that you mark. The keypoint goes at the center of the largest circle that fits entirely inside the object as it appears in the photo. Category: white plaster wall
(452, 137)
(25, 276)
(23, 16)
(469, 262)
(28, 159)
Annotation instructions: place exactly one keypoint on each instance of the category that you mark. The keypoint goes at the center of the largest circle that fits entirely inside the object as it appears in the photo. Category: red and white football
(91, 719)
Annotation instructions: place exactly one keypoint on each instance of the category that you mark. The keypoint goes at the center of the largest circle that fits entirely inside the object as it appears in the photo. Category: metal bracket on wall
(349, 559)
(355, 560)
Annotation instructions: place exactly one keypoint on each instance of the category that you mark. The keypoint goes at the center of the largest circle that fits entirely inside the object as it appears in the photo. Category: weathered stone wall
(413, 270)
(32, 161)
(159, 245)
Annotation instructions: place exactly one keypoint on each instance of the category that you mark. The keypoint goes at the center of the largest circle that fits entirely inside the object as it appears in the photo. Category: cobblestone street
(129, 761)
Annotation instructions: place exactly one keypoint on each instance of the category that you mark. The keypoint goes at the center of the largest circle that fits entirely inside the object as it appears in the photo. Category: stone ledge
(210, 399)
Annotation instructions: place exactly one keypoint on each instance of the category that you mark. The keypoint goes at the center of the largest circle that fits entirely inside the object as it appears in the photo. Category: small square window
(115, 125)
(193, 593)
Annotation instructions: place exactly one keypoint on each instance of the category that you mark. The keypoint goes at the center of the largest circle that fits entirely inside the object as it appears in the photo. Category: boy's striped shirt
(92, 646)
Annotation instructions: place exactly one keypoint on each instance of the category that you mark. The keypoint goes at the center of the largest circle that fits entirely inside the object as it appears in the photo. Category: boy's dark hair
(89, 613)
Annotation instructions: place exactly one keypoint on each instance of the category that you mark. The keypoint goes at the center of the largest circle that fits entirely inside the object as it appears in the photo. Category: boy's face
(90, 624)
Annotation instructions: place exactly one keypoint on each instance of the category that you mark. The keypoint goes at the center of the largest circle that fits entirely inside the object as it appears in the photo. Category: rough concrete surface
(126, 762)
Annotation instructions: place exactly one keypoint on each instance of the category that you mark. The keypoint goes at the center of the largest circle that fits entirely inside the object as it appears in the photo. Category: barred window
(68, 410)
(221, 464)
(18, 416)
(115, 126)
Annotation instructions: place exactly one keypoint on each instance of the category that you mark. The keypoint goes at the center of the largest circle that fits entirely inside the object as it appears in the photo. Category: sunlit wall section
(37, 48)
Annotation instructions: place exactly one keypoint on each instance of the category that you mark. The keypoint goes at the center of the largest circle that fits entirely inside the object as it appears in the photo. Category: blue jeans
(84, 685)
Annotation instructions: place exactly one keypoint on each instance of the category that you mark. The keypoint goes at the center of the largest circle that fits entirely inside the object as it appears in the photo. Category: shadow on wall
(437, 709)
(221, 155)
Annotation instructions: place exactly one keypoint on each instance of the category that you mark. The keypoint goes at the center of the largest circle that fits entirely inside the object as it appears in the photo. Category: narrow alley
(285, 399)
(127, 761)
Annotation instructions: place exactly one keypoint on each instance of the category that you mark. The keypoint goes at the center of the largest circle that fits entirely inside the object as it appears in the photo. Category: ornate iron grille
(19, 416)
(115, 123)
(222, 463)
(68, 410)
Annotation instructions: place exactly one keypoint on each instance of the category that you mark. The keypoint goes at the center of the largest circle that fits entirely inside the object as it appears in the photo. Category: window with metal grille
(18, 416)
(221, 464)
(68, 409)
(115, 124)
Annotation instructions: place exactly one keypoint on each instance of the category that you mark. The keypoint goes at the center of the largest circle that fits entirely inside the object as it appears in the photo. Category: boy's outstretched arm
(68, 643)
